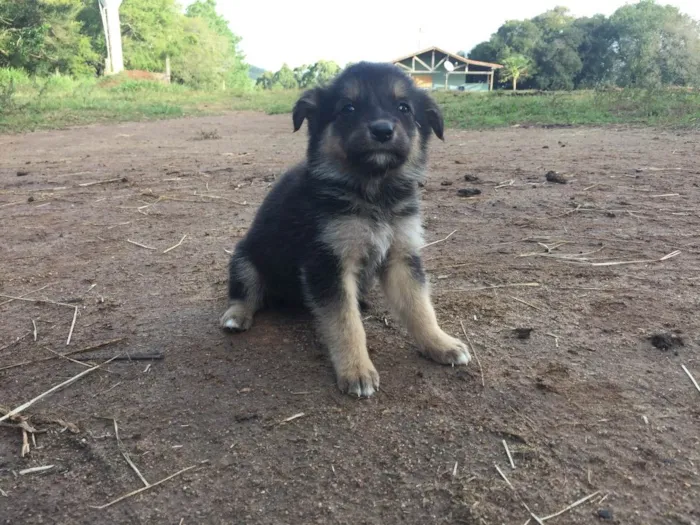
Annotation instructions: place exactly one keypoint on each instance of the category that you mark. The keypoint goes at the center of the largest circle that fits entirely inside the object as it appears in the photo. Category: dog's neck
(385, 192)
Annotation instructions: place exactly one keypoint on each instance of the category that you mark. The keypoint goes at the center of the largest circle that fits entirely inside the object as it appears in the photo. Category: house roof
(452, 56)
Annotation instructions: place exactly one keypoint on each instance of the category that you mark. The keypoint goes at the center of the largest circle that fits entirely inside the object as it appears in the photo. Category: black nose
(381, 130)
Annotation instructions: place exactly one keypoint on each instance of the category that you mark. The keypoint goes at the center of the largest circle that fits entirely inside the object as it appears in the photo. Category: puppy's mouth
(382, 159)
(378, 159)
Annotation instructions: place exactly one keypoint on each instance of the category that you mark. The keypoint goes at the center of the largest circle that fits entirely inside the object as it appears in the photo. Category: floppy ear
(305, 108)
(434, 117)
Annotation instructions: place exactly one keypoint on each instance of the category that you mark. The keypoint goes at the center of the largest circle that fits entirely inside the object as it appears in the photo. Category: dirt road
(586, 404)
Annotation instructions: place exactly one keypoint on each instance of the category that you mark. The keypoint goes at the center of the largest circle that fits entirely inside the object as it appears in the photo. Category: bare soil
(585, 403)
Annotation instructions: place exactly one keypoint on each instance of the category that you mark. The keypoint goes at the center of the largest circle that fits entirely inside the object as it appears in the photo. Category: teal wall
(439, 78)
(458, 80)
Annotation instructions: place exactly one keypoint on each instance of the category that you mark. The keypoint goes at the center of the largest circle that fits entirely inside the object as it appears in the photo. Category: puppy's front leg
(332, 294)
(405, 286)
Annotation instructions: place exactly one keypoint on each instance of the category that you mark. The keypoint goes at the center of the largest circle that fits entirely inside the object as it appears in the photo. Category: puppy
(347, 216)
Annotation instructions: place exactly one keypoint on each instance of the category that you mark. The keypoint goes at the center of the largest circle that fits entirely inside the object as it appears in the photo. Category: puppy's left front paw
(448, 351)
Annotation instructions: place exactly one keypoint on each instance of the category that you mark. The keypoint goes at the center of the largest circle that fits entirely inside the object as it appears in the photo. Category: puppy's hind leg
(245, 294)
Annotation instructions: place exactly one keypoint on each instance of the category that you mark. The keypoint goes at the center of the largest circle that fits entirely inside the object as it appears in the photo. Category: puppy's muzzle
(381, 130)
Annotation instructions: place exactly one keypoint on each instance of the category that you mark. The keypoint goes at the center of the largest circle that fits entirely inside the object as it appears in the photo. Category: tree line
(66, 36)
(641, 45)
(301, 77)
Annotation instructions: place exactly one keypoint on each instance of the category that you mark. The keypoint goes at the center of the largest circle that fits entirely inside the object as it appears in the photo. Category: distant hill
(254, 72)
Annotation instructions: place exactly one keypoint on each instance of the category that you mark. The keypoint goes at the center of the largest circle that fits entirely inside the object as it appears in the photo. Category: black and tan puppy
(346, 216)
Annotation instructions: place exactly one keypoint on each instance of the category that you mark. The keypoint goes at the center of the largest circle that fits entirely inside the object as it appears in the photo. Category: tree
(233, 68)
(485, 51)
(44, 37)
(655, 45)
(151, 30)
(206, 10)
(642, 44)
(515, 67)
(301, 75)
(284, 79)
(556, 54)
(553, 22)
(266, 80)
(320, 73)
(201, 58)
(596, 50)
(516, 37)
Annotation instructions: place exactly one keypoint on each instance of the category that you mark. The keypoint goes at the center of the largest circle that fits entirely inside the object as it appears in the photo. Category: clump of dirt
(468, 192)
(523, 333)
(557, 178)
(207, 135)
(471, 178)
(665, 341)
(605, 514)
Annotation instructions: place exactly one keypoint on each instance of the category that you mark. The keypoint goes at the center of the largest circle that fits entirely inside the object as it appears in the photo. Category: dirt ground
(586, 404)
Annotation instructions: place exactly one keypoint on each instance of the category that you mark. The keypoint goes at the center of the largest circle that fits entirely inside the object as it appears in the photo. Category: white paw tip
(463, 359)
(231, 324)
(360, 392)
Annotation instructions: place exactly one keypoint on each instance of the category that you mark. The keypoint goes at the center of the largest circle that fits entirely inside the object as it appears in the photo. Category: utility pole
(109, 10)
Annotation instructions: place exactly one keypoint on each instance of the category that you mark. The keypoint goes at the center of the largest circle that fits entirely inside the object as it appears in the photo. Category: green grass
(57, 102)
(638, 107)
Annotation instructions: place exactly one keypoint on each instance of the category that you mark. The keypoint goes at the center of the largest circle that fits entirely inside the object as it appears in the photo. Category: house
(435, 68)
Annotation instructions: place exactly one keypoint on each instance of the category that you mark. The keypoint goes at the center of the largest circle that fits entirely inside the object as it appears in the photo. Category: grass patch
(56, 102)
(642, 107)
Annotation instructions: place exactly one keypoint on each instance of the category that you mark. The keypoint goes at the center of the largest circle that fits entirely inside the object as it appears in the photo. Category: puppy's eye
(347, 109)
(404, 108)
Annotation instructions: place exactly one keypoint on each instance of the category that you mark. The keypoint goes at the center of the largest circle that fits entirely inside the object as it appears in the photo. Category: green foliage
(656, 45)
(66, 36)
(665, 107)
(226, 60)
(44, 36)
(519, 37)
(596, 51)
(11, 75)
(56, 104)
(265, 81)
(151, 30)
(302, 77)
(485, 51)
(143, 86)
(515, 67)
(641, 45)
(284, 79)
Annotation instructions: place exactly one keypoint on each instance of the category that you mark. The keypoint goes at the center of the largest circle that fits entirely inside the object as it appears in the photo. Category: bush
(140, 86)
(10, 75)
(60, 83)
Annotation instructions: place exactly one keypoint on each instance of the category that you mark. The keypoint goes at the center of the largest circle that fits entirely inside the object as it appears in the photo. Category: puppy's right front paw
(236, 319)
(360, 380)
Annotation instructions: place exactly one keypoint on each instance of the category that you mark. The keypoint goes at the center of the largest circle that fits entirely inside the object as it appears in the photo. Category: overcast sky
(304, 31)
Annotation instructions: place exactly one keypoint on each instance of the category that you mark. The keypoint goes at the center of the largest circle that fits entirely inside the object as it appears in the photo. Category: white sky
(304, 31)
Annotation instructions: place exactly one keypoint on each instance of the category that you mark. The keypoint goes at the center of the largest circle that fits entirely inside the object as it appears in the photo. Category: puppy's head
(372, 119)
